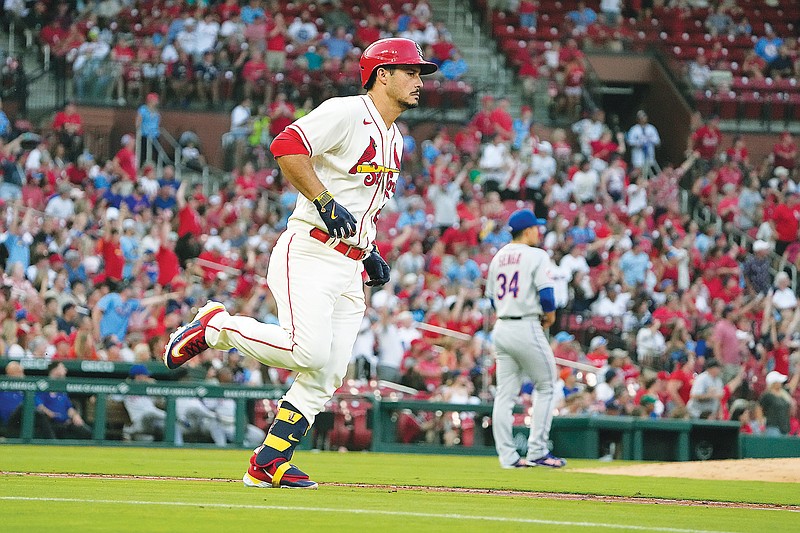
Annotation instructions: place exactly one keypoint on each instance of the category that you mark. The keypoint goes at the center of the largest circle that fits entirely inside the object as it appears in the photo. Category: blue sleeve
(105, 302)
(548, 299)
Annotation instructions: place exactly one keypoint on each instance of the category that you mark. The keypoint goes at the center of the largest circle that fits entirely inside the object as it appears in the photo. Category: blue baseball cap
(524, 219)
(563, 336)
(138, 370)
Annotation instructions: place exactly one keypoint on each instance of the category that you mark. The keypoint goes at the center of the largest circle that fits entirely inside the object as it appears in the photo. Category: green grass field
(65, 504)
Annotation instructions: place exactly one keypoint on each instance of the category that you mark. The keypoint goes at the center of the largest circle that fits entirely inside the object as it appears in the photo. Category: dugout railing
(414, 426)
(591, 437)
(101, 391)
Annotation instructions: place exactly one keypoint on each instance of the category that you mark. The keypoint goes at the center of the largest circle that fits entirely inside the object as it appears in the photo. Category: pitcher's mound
(783, 470)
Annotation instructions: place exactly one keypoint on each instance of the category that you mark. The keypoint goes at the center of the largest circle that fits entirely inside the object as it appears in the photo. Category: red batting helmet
(392, 51)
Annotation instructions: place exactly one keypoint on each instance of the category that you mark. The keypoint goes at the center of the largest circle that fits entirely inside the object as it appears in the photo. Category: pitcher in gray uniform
(520, 286)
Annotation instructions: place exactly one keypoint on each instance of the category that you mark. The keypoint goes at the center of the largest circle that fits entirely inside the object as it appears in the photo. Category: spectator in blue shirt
(5, 124)
(522, 126)
(18, 241)
(414, 215)
(148, 124)
(129, 243)
(582, 235)
(113, 312)
(338, 44)
(465, 271)
(634, 264)
(175, 27)
(76, 272)
(137, 201)
(11, 409)
(165, 201)
(582, 17)
(251, 12)
(769, 46)
(65, 420)
(498, 237)
(454, 67)
(168, 179)
(705, 240)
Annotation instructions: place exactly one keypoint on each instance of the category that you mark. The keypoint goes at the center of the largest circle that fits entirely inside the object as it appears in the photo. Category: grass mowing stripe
(365, 512)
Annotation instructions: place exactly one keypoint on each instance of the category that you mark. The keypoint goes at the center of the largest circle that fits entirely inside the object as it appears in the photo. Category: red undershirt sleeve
(288, 142)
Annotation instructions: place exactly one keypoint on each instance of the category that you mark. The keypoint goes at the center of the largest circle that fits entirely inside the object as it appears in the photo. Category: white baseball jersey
(516, 275)
(350, 146)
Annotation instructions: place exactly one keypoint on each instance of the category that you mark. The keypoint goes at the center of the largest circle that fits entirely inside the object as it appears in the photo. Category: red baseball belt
(356, 254)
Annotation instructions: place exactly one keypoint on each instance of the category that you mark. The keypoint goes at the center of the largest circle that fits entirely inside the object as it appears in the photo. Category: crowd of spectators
(103, 258)
(218, 53)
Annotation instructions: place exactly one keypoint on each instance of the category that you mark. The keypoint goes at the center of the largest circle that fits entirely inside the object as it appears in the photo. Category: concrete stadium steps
(487, 72)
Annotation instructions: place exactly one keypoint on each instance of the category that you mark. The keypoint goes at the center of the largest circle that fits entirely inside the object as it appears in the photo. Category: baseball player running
(344, 158)
(521, 288)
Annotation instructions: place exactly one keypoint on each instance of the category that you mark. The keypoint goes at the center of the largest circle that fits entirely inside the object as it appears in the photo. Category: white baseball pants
(320, 298)
(522, 351)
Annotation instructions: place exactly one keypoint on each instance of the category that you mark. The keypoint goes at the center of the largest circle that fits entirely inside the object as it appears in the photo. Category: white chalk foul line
(450, 516)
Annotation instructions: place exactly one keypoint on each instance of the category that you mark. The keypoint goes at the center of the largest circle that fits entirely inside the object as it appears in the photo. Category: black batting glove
(337, 219)
(377, 269)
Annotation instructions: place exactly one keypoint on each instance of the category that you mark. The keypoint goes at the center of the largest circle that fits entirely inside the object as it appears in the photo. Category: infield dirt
(781, 470)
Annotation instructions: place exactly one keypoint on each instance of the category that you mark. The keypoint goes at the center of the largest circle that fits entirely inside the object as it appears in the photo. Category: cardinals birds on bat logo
(366, 165)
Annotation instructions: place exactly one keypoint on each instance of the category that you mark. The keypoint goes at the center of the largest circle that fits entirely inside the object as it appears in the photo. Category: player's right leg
(538, 363)
(305, 278)
(270, 464)
(508, 385)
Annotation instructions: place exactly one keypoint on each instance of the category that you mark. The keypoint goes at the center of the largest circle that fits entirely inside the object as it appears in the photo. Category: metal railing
(210, 176)
(103, 390)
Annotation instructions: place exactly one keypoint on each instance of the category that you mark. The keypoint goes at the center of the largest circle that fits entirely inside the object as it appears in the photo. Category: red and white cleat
(189, 340)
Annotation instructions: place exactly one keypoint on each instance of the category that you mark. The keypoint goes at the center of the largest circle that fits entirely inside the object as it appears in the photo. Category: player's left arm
(543, 279)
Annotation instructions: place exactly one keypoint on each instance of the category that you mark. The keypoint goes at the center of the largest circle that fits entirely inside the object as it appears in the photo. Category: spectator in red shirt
(113, 259)
(729, 173)
(228, 9)
(213, 262)
(167, 259)
(189, 220)
(573, 85)
(245, 183)
(33, 191)
(281, 114)
(785, 222)
(255, 74)
(669, 314)
(276, 43)
(605, 146)
(125, 160)
(367, 32)
(706, 141)
(728, 206)
(68, 126)
(501, 118)
(738, 152)
(598, 352)
(679, 386)
(784, 153)
(483, 118)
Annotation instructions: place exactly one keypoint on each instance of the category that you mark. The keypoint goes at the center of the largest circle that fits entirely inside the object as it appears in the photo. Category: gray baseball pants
(522, 351)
